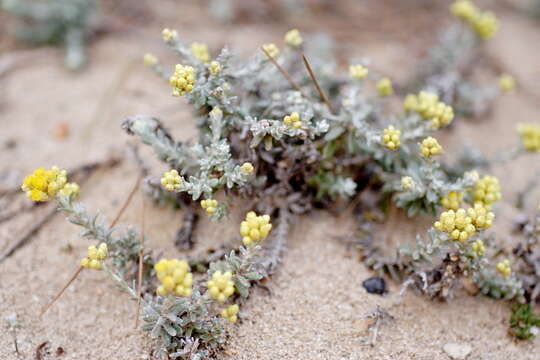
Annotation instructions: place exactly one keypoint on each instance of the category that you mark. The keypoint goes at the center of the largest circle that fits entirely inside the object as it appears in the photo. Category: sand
(316, 297)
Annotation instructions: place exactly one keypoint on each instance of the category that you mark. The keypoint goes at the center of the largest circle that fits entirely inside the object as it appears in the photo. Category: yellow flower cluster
(464, 9)
(293, 38)
(95, 257)
(209, 205)
(504, 267)
(530, 136)
(430, 146)
(481, 216)
(384, 87)
(452, 200)
(43, 185)
(485, 25)
(182, 80)
(171, 180)
(169, 34)
(215, 67)
(478, 247)
(150, 60)
(483, 22)
(174, 276)
(271, 49)
(230, 313)
(407, 182)
(255, 228)
(358, 71)
(507, 82)
(247, 168)
(391, 137)
(430, 108)
(200, 51)
(456, 223)
(487, 190)
(221, 286)
(293, 120)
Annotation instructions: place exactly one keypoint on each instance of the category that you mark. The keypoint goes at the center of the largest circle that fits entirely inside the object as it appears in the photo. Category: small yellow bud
(271, 49)
(530, 136)
(150, 60)
(293, 38)
(358, 71)
(506, 82)
(478, 247)
(174, 276)
(247, 168)
(407, 183)
(293, 120)
(384, 87)
(430, 146)
(254, 228)
(215, 67)
(169, 34)
(230, 313)
(221, 286)
(171, 180)
(391, 137)
(504, 268)
(200, 51)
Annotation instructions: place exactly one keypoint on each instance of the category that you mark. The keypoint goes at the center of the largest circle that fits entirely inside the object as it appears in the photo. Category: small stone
(457, 351)
(375, 285)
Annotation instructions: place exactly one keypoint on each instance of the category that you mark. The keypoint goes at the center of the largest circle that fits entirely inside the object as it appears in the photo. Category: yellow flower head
(221, 286)
(255, 228)
(293, 120)
(430, 146)
(150, 60)
(428, 106)
(271, 49)
(247, 168)
(487, 190)
(293, 38)
(485, 25)
(507, 82)
(43, 185)
(182, 80)
(171, 180)
(504, 268)
(481, 216)
(95, 257)
(391, 137)
(456, 223)
(358, 71)
(478, 247)
(464, 9)
(174, 276)
(215, 67)
(210, 205)
(230, 313)
(200, 51)
(384, 87)
(452, 200)
(530, 136)
(407, 183)
(169, 34)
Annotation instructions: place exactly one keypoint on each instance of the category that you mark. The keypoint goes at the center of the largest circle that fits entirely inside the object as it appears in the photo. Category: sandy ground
(317, 297)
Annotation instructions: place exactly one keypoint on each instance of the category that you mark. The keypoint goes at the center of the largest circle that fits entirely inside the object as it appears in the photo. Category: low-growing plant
(285, 132)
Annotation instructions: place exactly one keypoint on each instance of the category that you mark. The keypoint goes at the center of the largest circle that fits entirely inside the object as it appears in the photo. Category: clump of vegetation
(61, 22)
(286, 132)
(523, 321)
